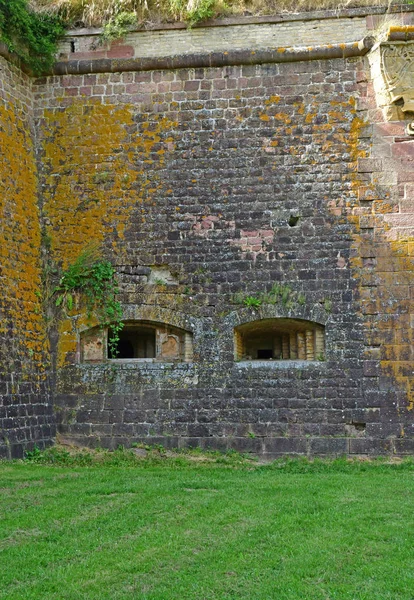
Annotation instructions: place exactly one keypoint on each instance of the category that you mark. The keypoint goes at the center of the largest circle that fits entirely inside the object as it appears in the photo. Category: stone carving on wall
(398, 72)
(392, 66)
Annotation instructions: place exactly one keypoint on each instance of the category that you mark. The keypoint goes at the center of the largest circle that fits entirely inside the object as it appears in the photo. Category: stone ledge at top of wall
(401, 34)
(340, 13)
(215, 59)
(297, 31)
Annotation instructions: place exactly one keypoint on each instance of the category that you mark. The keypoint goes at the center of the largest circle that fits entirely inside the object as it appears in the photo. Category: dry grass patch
(95, 13)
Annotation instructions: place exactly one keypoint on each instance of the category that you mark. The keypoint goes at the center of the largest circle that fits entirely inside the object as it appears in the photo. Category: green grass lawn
(171, 528)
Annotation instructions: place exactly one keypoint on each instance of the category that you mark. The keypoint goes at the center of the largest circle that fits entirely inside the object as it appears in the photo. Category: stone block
(279, 446)
(329, 446)
(370, 446)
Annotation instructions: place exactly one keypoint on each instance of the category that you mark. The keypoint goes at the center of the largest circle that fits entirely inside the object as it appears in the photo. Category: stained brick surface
(26, 413)
(199, 172)
(219, 160)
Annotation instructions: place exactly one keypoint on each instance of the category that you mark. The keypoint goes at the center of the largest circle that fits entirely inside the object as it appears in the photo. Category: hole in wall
(138, 340)
(355, 429)
(293, 220)
(360, 426)
(72, 46)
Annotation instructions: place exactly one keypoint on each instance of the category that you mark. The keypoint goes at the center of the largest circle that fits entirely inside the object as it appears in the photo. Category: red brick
(403, 150)
(71, 91)
(121, 52)
(87, 55)
(191, 86)
(389, 129)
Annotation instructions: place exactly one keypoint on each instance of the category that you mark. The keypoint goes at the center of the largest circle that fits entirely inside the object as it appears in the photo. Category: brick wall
(199, 171)
(25, 403)
(205, 187)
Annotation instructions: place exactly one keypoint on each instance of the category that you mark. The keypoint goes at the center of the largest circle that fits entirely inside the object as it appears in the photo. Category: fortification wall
(25, 403)
(227, 180)
(258, 206)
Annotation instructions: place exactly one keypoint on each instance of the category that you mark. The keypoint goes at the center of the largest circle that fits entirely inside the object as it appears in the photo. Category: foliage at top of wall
(32, 36)
(100, 13)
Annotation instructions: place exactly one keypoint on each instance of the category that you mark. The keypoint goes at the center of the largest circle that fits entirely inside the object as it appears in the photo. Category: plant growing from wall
(252, 302)
(91, 279)
(31, 35)
(278, 293)
(193, 11)
(117, 26)
(116, 16)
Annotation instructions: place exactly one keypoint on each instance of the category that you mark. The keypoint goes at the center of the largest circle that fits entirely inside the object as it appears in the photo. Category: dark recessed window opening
(134, 342)
(138, 340)
(265, 353)
(279, 339)
(72, 46)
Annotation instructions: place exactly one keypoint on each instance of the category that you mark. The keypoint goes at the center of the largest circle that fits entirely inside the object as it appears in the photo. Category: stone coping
(401, 34)
(342, 13)
(215, 59)
(279, 364)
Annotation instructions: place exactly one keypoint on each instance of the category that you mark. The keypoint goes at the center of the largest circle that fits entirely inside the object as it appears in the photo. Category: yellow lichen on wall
(93, 174)
(384, 269)
(383, 285)
(100, 170)
(395, 290)
(85, 195)
(22, 320)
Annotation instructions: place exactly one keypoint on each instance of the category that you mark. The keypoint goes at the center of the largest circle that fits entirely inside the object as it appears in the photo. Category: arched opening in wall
(135, 341)
(279, 339)
(140, 341)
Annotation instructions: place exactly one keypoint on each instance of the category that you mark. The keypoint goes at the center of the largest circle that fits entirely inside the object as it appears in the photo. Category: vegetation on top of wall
(91, 279)
(32, 28)
(117, 26)
(100, 13)
(31, 35)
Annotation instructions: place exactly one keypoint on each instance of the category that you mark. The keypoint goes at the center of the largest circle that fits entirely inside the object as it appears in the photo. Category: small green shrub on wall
(31, 36)
(117, 26)
(91, 280)
(193, 11)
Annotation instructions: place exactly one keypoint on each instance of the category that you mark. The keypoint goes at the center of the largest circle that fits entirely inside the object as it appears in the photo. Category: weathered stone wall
(206, 186)
(25, 402)
(199, 171)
